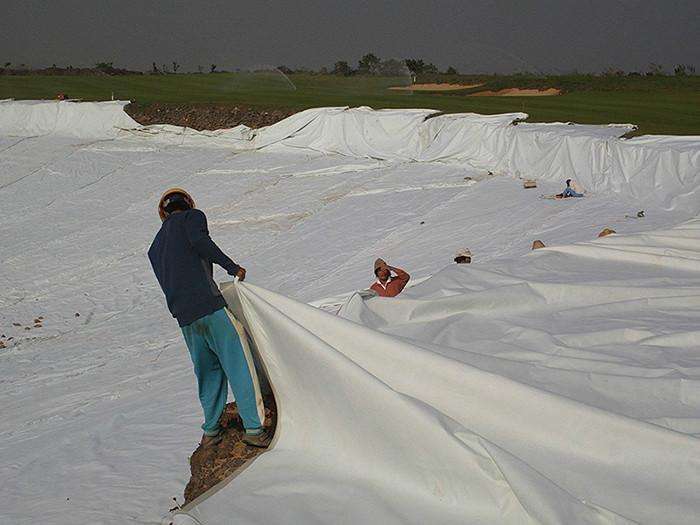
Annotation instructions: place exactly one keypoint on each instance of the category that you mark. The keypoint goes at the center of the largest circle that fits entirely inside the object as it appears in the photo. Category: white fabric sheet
(100, 410)
(542, 390)
(62, 117)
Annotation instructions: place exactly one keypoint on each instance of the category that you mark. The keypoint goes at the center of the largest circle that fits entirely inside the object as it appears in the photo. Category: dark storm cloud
(472, 35)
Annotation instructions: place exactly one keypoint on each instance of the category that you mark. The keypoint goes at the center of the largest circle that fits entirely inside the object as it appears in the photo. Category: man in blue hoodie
(182, 255)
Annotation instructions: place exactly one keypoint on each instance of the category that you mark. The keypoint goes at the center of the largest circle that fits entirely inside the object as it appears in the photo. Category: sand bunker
(517, 92)
(435, 87)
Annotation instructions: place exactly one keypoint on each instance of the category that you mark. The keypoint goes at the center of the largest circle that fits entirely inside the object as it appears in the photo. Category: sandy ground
(517, 92)
(435, 87)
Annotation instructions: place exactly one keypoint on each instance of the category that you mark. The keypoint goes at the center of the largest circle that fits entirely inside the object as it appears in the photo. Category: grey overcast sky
(472, 35)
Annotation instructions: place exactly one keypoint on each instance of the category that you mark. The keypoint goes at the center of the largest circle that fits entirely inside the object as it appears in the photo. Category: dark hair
(177, 202)
(568, 181)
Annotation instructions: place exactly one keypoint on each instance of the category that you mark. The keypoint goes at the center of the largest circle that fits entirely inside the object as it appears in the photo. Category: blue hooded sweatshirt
(182, 254)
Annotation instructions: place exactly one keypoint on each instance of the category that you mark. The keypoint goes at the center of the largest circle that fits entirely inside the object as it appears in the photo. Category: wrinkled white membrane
(559, 387)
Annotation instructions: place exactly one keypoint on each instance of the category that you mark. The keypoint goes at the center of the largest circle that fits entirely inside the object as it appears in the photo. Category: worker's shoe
(260, 439)
(211, 441)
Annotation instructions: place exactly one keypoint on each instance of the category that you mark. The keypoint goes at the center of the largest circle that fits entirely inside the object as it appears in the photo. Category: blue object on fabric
(568, 192)
(182, 254)
(217, 355)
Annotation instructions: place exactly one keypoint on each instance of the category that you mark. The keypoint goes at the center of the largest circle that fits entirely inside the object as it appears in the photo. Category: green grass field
(661, 105)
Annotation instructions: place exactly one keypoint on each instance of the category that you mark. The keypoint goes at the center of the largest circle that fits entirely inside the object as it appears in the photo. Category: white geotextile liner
(652, 170)
(660, 170)
(102, 408)
(63, 117)
(542, 390)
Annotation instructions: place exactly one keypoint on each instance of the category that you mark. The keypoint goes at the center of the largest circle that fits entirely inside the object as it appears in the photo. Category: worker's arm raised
(400, 274)
(198, 235)
(398, 283)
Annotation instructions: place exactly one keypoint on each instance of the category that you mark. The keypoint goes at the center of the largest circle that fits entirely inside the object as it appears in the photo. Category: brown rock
(606, 231)
(537, 244)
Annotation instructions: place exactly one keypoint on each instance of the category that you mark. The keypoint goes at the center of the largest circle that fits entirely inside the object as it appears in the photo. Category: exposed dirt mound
(435, 87)
(213, 464)
(206, 116)
(517, 92)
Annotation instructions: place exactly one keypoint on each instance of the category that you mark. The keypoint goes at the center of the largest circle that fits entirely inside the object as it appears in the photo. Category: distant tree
(342, 68)
(103, 65)
(154, 68)
(430, 69)
(53, 66)
(451, 71)
(164, 68)
(176, 66)
(392, 67)
(612, 72)
(323, 70)
(200, 69)
(368, 64)
(212, 68)
(286, 70)
(415, 65)
(8, 64)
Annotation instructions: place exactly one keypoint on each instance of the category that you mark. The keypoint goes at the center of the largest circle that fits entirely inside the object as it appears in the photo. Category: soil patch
(213, 464)
(206, 116)
(517, 92)
(435, 87)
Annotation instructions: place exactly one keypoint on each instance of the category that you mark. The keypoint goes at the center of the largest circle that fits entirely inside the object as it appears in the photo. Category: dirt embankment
(435, 87)
(507, 92)
(205, 116)
(517, 92)
(213, 464)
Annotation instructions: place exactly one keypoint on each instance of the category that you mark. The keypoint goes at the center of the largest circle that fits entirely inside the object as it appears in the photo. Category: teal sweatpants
(217, 355)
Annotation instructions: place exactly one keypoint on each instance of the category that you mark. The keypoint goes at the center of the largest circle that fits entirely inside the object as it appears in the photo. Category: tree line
(369, 64)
